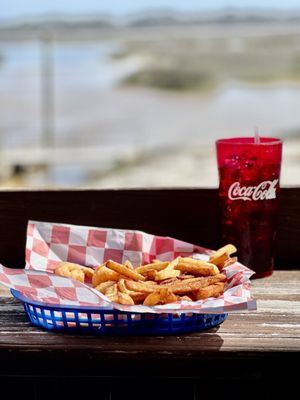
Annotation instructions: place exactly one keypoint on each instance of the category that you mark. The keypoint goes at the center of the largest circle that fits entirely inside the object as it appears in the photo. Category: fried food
(190, 285)
(160, 282)
(136, 296)
(228, 249)
(150, 274)
(88, 272)
(116, 296)
(124, 270)
(163, 296)
(222, 255)
(185, 276)
(168, 271)
(104, 285)
(124, 298)
(219, 260)
(210, 291)
(230, 261)
(204, 269)
(74, 271)
(154, 266)
(144, 287)
(103, 274)
(128, 264)
(111, 291)
(184, 298)
(166, 274)
(193, 261)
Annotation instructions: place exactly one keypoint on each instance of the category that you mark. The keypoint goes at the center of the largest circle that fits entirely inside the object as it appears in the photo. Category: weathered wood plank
(258, 341)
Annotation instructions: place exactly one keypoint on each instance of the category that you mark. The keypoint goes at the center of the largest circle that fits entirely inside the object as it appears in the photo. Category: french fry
(88, 272)
(122, 287)
(192, 278)
(152, 299)
(228, 249)
(156, 266)
(185, 276)
(162, 296)
(167, 296)
(125, 271)
(124, 298)
(150, 275)
(103, 274)
(210, 291)
(219, 260)
(187, 286)
(113, 294)
(169, 281)
(144, 287)
(111, 290)
(104, 285)
(172, 264)
(136, 296)
(205, 269)
(128, 264)
(230, 261)
(166, 274)
(192, 260)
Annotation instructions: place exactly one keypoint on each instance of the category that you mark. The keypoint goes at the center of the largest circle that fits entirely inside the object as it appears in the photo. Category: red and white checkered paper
(50, 243)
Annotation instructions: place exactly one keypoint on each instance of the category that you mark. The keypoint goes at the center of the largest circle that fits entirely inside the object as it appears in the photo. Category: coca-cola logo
(266, 190)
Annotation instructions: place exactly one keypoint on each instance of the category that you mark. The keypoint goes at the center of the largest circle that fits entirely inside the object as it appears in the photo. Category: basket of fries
(93, 320)
(102, 280)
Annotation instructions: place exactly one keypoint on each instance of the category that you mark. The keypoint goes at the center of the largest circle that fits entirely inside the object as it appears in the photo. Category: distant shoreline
(76, 32)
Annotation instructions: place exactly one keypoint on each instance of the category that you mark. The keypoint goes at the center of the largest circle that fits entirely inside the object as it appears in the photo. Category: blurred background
(135, 93)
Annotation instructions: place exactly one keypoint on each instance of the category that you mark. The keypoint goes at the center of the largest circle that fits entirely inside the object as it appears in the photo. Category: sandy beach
(195, 167)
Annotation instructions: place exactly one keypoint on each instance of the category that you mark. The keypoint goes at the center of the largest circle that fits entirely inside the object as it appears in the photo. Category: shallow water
(91, 108)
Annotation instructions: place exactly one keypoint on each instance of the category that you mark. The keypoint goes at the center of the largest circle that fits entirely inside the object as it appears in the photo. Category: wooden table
(248, 349)
(250, 355)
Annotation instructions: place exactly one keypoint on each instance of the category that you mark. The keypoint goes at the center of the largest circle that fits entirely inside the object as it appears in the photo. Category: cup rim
(241, 141)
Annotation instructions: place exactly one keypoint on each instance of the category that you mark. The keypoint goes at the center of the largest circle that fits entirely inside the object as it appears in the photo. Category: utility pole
(47, 90)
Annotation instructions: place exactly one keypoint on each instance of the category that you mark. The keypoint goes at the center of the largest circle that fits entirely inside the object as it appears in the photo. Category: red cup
(249, 176)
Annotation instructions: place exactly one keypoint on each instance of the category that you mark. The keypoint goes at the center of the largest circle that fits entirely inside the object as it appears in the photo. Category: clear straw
(256, 136)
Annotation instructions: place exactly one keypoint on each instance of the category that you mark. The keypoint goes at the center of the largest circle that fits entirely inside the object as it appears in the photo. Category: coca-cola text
(266, 190)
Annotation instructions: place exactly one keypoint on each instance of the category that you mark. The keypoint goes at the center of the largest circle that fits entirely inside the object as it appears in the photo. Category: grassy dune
(202, 64)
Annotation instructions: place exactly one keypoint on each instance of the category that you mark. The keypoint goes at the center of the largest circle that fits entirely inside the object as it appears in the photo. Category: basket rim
(19, 296)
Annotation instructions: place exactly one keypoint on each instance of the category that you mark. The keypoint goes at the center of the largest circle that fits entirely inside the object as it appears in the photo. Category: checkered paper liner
(50, 243)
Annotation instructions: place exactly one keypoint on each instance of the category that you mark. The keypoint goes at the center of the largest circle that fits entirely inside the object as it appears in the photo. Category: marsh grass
(172, 79)
(201, 64)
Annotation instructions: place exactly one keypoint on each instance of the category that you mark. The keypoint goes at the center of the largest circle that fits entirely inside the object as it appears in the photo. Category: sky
(18, 8)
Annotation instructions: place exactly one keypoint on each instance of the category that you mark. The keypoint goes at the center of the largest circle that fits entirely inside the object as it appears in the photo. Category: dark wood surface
(248, 349)
(187, 214)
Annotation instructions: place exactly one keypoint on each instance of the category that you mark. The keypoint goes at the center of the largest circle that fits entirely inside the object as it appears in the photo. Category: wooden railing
(188, 214)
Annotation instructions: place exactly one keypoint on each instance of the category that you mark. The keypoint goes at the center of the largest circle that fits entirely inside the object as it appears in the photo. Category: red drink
(249, 185)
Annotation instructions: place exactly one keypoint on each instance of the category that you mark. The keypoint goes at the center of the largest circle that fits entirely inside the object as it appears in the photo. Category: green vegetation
(172, 79)
(202, 63)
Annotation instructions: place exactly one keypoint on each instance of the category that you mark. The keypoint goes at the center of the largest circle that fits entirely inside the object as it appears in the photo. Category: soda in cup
(249, 173)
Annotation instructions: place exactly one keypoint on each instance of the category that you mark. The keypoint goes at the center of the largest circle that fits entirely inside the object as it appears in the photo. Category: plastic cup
(249, 174)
